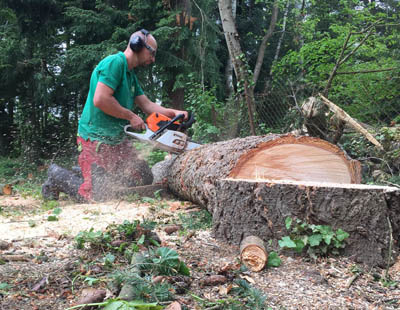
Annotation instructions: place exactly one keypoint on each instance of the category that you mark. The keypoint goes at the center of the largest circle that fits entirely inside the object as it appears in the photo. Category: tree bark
(229, 67)
(263, 46)
(243, 207)
(235, 52)
(193, 174)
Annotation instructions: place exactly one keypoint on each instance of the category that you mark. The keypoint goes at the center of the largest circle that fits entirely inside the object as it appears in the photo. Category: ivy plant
(314, 240)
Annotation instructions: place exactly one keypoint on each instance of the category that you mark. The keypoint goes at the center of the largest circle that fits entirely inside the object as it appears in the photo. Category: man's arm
(105, 101)
(148, 107)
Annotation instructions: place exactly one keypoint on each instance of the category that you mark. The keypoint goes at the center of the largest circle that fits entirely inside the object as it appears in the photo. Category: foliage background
(48, 49)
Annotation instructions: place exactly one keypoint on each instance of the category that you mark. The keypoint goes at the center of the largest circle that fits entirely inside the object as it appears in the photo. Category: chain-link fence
(375, 144)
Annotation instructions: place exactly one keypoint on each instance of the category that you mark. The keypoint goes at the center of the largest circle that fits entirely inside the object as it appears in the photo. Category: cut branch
(342, 115)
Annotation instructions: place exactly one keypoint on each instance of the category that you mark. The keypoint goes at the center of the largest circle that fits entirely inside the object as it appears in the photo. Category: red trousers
(114, 159)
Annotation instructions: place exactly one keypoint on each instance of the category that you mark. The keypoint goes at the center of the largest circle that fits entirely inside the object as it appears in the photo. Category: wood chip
(91, 295)
(213, 280)
(172, 228)
(174, 306)
(14, 258)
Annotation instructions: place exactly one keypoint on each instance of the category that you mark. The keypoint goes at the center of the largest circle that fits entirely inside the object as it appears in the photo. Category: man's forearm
(149, 107)
(111, 107)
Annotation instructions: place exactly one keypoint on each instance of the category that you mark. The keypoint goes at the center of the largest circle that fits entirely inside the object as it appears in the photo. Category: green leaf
(341, 234)
(52, 218)
(183, 269)
(4, 286)
(288, 222)
(131, 305)
(31, 223)
(148, 200)
(273, 260)
(141, 239)
(287, 242)
(315, 240)
(328, 238)
(90, 281)
(57, 211)
(299, 245)
(166, 262)
(167, 254)
(109, 259)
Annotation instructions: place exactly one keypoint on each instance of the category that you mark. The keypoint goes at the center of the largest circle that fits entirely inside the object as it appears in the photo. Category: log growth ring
(297, 159)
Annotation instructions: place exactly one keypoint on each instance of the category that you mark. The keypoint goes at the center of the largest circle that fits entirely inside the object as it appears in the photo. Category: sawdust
(26, 219)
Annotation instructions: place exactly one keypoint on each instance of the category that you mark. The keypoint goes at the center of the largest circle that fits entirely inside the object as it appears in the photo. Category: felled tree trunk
(193, 175)
(251, 184)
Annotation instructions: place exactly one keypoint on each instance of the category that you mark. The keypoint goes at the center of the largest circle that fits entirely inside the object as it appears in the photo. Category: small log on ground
(251, 207)
(6, 189)
(253, 253)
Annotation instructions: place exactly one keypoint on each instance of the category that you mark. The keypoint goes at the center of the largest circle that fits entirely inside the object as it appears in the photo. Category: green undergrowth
(131, 257)
(197, 220)
(313, 240)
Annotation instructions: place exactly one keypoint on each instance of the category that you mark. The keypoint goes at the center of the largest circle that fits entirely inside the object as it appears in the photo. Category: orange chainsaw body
(156, 120)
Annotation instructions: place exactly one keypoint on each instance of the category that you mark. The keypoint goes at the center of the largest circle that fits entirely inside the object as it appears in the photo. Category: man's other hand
(137, 123)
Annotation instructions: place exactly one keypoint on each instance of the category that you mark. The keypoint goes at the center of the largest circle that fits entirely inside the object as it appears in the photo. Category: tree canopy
(347, 49)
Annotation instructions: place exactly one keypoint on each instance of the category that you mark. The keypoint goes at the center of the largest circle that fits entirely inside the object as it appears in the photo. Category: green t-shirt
(94, 124)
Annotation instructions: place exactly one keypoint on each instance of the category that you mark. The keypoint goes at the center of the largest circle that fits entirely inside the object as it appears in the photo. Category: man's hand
(149, 107)
(137, 122)
(177, 112)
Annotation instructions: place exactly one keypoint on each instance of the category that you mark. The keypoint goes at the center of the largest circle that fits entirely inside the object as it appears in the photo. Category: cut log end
(6, 189)
(297, 159)
(253, 253)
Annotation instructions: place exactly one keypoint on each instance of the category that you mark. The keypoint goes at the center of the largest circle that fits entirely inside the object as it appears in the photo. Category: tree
(239, 61)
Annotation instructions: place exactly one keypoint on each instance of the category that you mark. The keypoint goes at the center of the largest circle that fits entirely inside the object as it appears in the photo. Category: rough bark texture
(235, 52)
(246, 207)
(193, 174)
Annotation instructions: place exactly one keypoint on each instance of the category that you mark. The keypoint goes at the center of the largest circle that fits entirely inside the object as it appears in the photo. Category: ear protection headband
(137, 42)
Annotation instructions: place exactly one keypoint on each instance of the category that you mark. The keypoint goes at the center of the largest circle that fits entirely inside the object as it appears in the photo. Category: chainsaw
(166, 134)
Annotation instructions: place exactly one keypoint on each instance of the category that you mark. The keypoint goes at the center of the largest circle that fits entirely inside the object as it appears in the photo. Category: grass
(199, 220)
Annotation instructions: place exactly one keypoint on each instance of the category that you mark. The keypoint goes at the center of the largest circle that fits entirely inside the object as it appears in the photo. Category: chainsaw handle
(129, 130)
(189, 122)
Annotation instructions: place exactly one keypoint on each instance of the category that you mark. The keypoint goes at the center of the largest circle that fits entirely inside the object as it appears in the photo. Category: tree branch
(261, 50)
(367, 71)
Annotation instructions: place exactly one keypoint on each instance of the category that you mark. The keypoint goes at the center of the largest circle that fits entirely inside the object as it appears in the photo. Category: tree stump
(252, 184)
(249, 207)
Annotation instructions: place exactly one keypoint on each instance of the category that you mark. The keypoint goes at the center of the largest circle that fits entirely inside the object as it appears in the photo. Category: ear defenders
(137, 42)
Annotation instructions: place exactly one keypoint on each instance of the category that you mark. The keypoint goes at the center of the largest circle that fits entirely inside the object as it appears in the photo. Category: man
(107, 159)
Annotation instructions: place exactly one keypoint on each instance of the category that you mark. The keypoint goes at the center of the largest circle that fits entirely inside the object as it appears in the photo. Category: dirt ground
(40, 265)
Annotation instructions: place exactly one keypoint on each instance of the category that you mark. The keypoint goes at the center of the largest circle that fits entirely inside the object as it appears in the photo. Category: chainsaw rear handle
(189, 122)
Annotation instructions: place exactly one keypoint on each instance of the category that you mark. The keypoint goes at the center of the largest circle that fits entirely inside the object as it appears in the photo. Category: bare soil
(40, 266)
